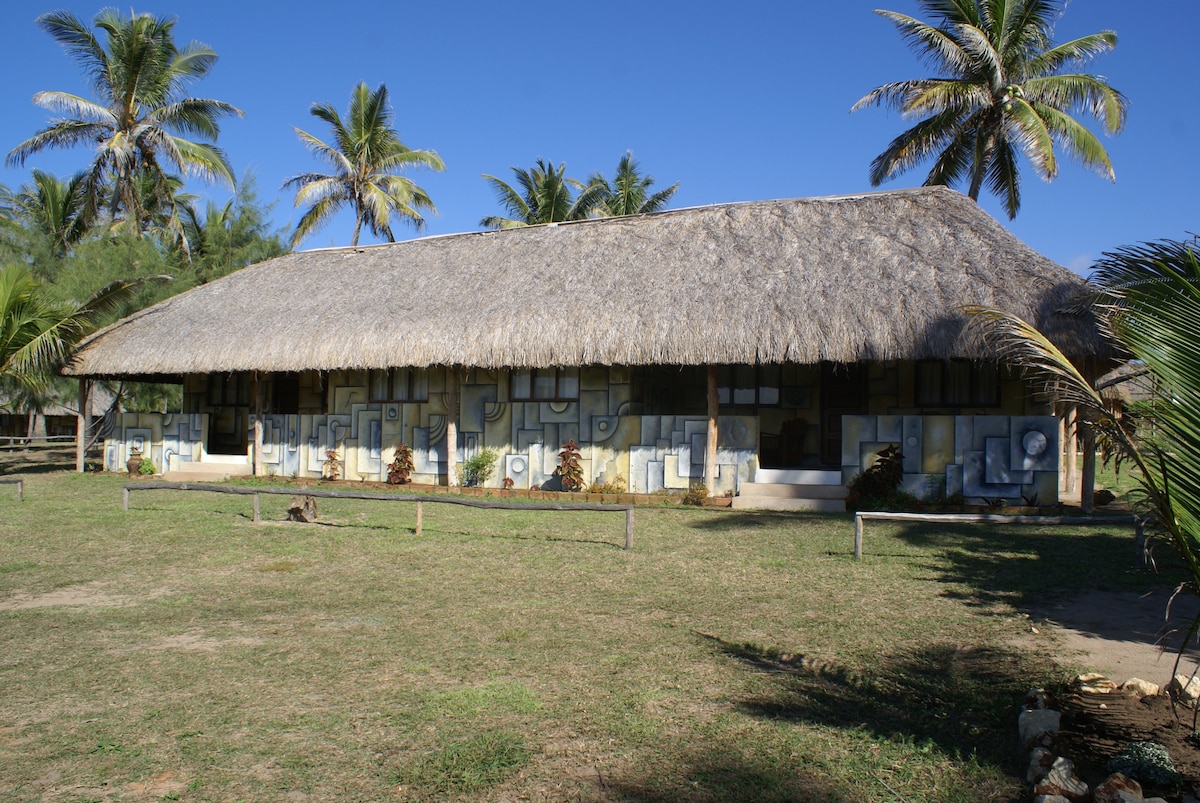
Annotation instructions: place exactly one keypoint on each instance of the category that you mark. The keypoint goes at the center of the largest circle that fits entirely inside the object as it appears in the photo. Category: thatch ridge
(870, 276)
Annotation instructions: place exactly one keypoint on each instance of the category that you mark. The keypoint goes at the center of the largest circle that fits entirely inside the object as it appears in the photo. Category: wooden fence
(420, 501)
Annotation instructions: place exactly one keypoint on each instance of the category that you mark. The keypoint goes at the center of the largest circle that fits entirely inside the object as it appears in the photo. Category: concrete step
(781, 503)
(787, 491)
(799, 476)
(206, 471)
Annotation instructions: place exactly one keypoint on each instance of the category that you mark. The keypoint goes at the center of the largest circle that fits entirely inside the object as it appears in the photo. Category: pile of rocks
(1052, 775)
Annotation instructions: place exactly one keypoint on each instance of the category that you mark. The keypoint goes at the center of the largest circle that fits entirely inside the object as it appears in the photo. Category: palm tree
(1004, 90)
(1149, 303)
(36, 334)
(140, 79)
(544, 196)
(629, 192)
(366, 154)
(54, 209)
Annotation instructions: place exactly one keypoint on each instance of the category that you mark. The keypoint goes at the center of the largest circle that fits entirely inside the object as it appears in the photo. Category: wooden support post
(82, 425)
(126, 502)
(20, 491)
(1139, 541)
(710, 448)
(259, 394)
(1087, 483)
(1061, 412)
(257, 516)
(629, 528)
(451, 426)
(858, 535)
(419, 512)
(1072, 449)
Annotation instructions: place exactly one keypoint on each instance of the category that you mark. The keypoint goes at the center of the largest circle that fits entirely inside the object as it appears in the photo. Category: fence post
(126, 500)
(256, 512)
(629, 527)
(858, 532)
(20, 490)
(419, 510)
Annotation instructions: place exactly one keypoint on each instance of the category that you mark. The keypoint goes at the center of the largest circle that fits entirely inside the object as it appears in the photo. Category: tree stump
(303, 508)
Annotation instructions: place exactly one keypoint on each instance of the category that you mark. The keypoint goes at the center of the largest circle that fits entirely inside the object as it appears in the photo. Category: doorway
(843, 392)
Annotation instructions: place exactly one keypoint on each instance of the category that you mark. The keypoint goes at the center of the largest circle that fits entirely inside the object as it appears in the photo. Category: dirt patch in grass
(88, 595)
(195, 643)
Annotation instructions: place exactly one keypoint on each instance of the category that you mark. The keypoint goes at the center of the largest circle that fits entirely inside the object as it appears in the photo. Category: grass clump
(467, 765)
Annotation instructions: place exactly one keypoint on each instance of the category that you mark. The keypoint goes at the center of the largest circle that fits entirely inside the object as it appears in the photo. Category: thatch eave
(876, 276)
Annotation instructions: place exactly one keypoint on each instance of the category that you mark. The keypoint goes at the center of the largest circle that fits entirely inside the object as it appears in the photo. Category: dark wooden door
(843, 392)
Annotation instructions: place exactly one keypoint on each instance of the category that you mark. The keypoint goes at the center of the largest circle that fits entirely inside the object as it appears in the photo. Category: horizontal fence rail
(25, 441)
(991, 518)
(418, 500)
(20, 486)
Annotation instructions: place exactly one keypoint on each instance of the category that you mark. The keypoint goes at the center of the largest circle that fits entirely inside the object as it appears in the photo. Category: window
(957, 383)
(545, 384)
(749, 385)
(398, 385)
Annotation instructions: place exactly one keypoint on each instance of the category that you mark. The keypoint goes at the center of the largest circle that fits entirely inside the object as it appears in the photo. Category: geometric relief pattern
(981, 457)
(671, 453)
(652, 452)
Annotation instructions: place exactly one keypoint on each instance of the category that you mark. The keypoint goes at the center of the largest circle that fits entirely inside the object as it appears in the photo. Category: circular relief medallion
(1034, 442)
(517, 465)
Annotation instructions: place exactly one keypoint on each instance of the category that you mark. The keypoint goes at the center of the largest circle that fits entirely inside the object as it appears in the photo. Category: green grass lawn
(181, 652)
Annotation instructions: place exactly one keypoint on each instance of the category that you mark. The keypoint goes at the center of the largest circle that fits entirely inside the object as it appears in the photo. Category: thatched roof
(865, 277)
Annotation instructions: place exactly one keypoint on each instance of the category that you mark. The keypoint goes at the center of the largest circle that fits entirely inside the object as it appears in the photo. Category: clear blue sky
(735, 101)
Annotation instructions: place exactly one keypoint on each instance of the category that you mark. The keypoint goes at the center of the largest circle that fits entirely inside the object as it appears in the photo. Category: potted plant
(134, 464)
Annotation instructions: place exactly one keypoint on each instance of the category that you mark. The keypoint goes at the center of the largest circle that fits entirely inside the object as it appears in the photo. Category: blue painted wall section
(1015, 458)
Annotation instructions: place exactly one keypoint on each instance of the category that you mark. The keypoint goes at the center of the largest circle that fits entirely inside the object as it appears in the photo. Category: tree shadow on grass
(1027, 566)
(771, 519)
(963, 700)
(720, 774)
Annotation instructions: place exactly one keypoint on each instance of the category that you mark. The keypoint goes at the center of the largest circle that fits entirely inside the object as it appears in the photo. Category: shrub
(333, 465)
(570, 472)
(696, 494)
(401, 467)
(1147, 763)
(878, 488)
(479, 469)
(617, 485)
(147, 468)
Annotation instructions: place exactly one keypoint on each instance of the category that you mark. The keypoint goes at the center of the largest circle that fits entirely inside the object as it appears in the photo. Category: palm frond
(1080, 143)
(1004, 180)
(924, 139)
(1025, 127)
(1081, 93)
(935, 44)
(1077, 51)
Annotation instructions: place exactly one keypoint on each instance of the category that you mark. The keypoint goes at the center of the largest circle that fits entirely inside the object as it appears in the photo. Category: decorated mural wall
(981, 457)
(985, 456)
